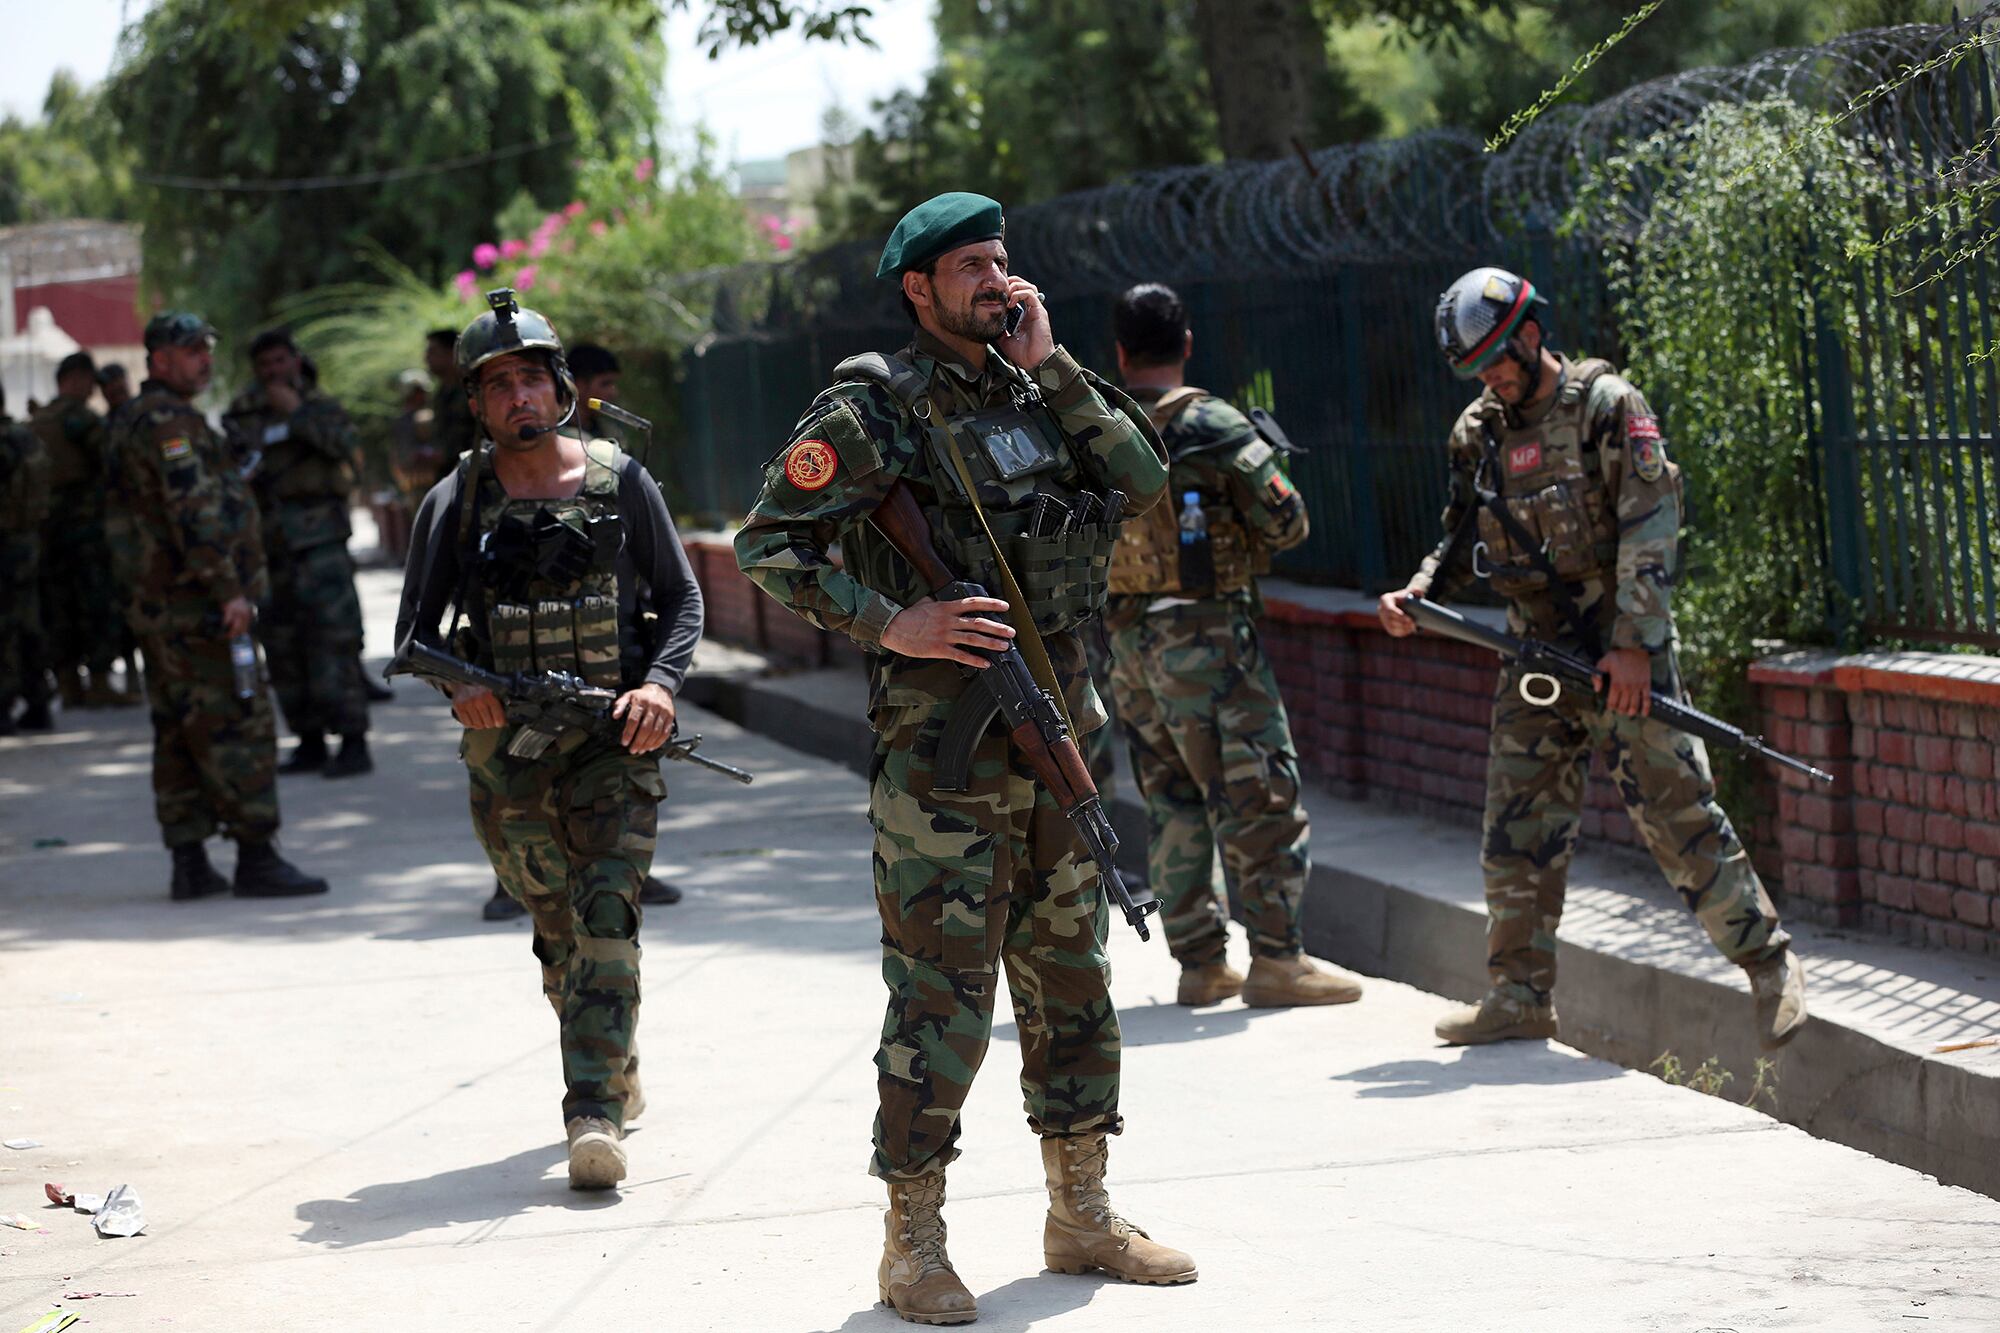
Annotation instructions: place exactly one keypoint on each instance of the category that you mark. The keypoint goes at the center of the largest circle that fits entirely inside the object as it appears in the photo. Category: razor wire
(1431, 196)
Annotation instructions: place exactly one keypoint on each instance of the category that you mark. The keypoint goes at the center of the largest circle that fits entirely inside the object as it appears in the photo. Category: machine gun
(545, 706)
(1550, 669)
(1034, 718)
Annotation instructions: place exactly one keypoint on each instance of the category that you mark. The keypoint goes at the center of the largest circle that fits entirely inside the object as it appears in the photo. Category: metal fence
(1310, 292)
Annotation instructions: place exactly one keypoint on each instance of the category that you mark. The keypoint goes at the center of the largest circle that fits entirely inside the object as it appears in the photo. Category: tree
(265, 165)
(1270, 80)
(70, 163)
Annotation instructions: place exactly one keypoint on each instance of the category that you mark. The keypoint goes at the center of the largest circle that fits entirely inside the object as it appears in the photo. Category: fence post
(1370, 561)
(1839, 449)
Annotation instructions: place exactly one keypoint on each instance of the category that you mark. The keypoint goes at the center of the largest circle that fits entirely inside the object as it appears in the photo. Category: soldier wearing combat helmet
(1012, 451)
(556, 553)
(1563, 498)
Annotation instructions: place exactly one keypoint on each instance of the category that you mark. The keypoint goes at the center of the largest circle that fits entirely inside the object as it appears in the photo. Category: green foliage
(70, 163)
(1717, 291)
(368, 86)
(1709, 1078)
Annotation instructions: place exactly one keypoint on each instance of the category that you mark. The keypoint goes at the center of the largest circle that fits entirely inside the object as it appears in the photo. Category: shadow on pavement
(1165, 1023)
(483, 1193)
(1477, 1066)
(1020, 1304)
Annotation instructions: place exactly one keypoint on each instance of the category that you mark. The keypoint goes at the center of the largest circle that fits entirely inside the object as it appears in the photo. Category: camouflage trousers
(967, 883)
(21, 646)
(82, 616)
(570, 835)
(1538, 760)
(312, 636)
(1214, 759)
(215, 756)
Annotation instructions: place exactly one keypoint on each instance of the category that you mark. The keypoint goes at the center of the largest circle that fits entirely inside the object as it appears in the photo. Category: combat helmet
(1478, 316)
(507, 328)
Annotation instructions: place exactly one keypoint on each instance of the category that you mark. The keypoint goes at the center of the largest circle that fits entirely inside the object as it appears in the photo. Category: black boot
(194, 877)
(656, 892)
(308, 756)
(352, 761)
(35, 717)
(262, 873)
(502, 906)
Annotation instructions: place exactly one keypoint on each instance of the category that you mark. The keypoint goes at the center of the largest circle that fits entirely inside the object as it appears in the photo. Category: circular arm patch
(809, 465)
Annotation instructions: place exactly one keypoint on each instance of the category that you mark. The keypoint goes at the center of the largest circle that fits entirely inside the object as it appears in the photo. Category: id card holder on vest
(1011, 443)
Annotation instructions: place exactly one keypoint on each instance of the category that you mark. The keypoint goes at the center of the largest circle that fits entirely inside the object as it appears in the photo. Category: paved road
(343, 1114)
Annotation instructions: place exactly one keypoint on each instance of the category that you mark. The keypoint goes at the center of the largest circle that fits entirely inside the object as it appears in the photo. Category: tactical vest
(24, 498)
(1147, 561)
(1550, 478)
(70, 461)
(536, 620)
(1048, 526)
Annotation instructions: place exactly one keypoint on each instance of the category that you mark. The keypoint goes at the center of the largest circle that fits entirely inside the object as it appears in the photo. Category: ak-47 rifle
(1034, 719)
(1550, 669)
(545, 706)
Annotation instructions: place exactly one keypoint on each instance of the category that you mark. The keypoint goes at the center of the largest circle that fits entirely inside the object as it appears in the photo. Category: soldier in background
(183, 531)
(1211, 747)
(453, 430)
(79, 597)
(24, 504)
(597, 375)
(1563, 498)
(297, 449)
(115, 385)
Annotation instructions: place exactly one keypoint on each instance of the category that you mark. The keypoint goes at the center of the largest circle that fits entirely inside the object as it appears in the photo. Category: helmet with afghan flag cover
(1478, 315)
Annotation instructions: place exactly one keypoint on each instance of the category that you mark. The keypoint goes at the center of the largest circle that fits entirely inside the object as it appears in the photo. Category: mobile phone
(1015, 314)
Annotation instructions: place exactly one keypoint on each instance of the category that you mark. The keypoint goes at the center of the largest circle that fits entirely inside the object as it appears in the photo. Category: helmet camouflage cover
(1478, 314)
(506, 328)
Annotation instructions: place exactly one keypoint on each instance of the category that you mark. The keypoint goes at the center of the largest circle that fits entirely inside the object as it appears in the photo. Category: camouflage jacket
(1252, 507)
(785, 543)
(300, 465)
(74, 438)
(183, 526)
(24, 480)
(1587, 475)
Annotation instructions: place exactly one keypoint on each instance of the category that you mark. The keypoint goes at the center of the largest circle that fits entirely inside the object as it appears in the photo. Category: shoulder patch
(810, 464)
(1649, 451)
(175, 447)
(1254, 455)
(841, 427)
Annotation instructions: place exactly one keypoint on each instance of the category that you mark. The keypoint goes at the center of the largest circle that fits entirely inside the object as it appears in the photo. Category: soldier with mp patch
(1196, 700)
(1564, 499)
(1020, 460)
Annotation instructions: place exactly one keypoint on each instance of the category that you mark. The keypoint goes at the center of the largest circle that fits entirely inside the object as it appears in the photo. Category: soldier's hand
(284, 396)
(649, 717)
(1034, 340)
(948, 630)
(1627, 681)
(238, 615)
(476, 707)
(1389, 610)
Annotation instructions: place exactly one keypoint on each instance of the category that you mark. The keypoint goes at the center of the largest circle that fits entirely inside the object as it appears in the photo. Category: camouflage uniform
(964, 881)
(1588, 476)
(79, 596)
(24, 504)
(184, 538)
(301, 470)
(454, 429)
(1196, 698)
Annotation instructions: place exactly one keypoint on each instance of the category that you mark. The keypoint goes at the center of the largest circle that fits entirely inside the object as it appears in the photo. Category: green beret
(938, 225)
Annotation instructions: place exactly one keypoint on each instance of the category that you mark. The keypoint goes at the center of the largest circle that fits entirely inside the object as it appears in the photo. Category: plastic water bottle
(243, 659)
(1197, 556)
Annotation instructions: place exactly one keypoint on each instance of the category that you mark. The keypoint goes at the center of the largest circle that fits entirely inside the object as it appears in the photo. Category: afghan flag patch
(176, 448)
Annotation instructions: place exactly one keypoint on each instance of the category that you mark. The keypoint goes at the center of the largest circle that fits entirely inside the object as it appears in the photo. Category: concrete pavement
(343, 1113)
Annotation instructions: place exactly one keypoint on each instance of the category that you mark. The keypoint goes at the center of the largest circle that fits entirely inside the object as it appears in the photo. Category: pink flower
(539, 246)
(574, 209)
(599, 228)
(551, 224)
(525, 277)
(643, 172)
(468, 284)
(513, 249)
(781, 243)
(485, 255)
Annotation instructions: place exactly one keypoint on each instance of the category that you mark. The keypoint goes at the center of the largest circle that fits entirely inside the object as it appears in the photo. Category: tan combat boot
(1208, 983)
(916, 1278)
(1277, 982)
(596, 1157)
(1082, 1232)
(1779, 987)
(1498, 1017)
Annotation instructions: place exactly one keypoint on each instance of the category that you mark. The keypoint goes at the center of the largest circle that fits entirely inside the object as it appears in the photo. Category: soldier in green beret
(1007, 445)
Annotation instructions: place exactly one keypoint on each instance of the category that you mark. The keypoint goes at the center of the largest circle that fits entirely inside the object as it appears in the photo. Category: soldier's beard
(972, 321)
